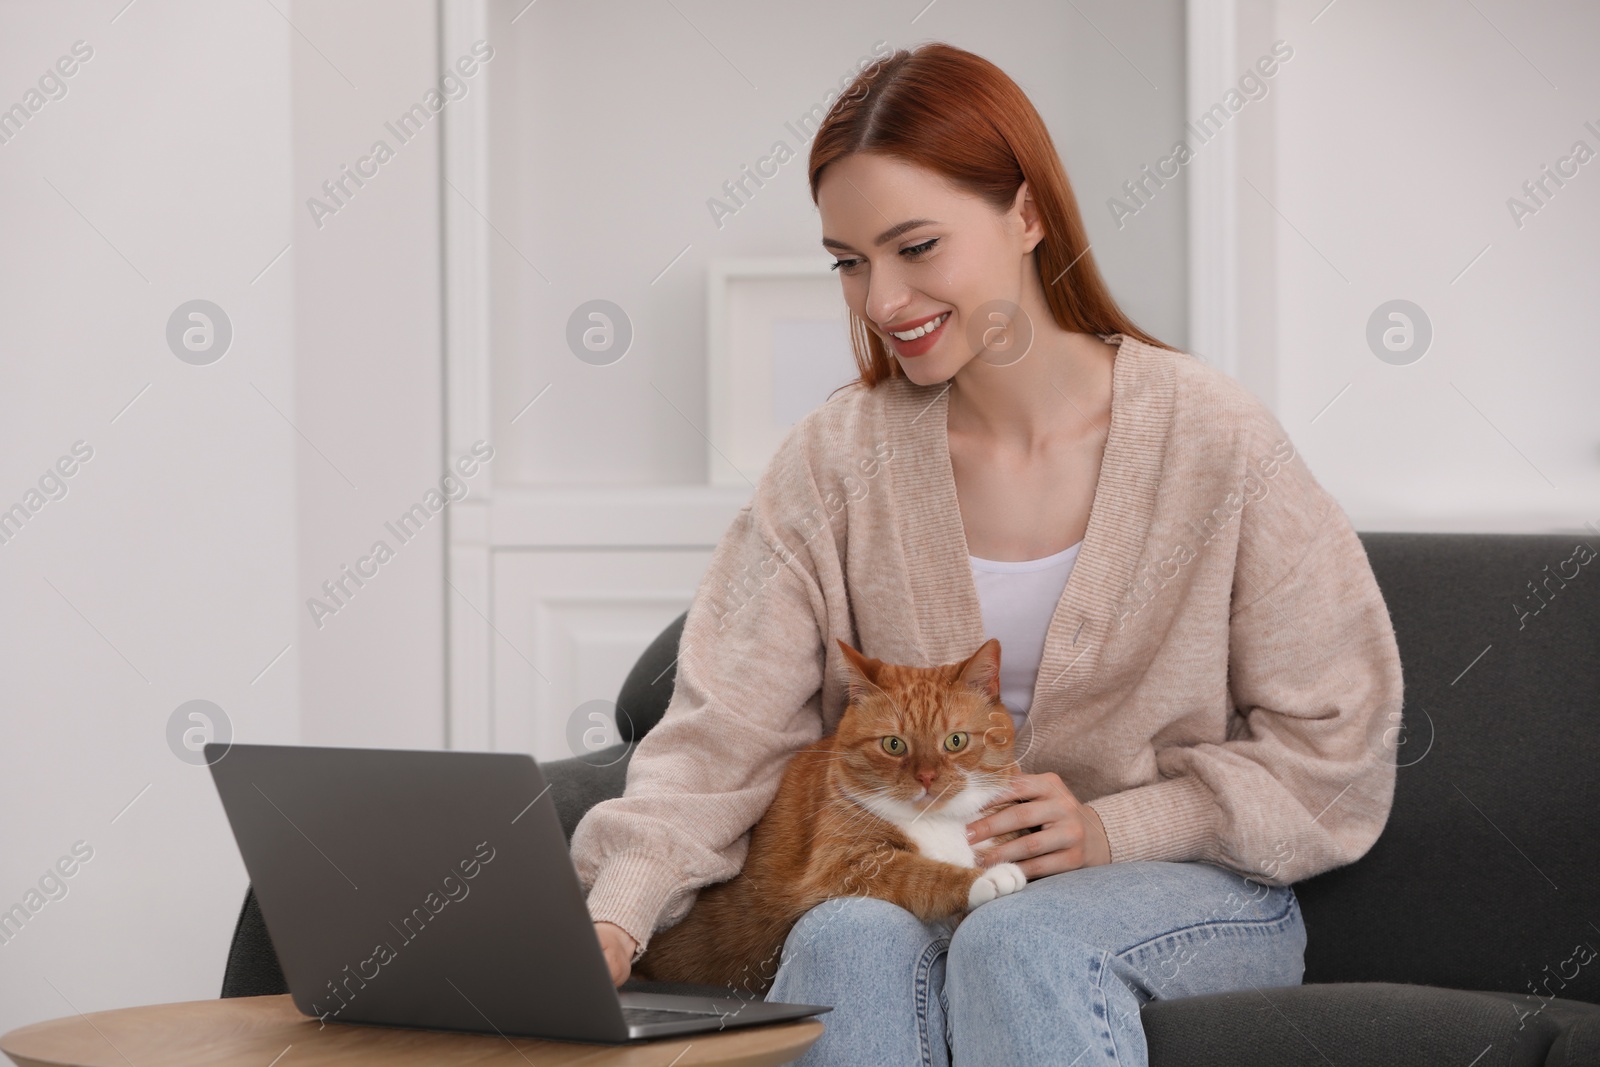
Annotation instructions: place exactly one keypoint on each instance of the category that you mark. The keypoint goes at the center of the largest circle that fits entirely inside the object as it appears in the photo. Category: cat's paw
(996, 881)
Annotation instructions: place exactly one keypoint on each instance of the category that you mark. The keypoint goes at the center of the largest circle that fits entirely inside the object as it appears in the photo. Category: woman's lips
(908, 349)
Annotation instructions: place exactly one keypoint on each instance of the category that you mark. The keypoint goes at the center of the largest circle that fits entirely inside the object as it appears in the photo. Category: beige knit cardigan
(1220, 679)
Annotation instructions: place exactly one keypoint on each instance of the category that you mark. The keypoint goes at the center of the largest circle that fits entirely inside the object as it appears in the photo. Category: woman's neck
(1062, 382)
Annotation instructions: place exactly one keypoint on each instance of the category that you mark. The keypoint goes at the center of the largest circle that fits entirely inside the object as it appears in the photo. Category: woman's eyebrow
(887, 235)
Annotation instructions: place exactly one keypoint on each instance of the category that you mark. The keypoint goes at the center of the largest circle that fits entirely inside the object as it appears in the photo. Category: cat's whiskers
(850, 830)
(859, 818)
(860, 800)
(820, 758)
(932, 802)
(863, 812)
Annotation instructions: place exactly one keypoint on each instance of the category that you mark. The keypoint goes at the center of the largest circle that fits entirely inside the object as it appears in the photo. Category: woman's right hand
(619, 948)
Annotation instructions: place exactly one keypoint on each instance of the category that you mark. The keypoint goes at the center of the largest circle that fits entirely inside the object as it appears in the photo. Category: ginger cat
(877, 808)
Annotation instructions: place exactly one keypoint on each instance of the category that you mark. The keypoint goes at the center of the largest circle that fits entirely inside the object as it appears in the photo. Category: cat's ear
(982, 670)
(858, 672)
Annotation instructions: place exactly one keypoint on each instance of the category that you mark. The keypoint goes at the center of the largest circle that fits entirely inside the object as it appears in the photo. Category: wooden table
(258, 1031)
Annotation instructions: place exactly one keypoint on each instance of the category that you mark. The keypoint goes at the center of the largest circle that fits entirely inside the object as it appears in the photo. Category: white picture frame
(778, 337)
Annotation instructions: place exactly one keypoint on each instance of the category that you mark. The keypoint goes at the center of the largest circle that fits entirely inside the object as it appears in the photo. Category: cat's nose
(926, 778)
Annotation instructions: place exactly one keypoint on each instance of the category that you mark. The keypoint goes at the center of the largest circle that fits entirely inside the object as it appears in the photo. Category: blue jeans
(1054, 973)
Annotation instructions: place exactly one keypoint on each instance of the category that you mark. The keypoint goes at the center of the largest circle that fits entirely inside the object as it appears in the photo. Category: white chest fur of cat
(942, 835)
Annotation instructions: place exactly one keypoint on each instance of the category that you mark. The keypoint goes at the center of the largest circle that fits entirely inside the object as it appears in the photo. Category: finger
(1023, 815)
(1011, 798)
(1027, 815)
(988, 857)
(1051, 862)
(992, 825)
(1002, 802)
(1058, 788)
(1047, 841)
(1037, 867)
(1021, 785)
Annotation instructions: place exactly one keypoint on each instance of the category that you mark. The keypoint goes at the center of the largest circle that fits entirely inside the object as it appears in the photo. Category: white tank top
(1018, 599)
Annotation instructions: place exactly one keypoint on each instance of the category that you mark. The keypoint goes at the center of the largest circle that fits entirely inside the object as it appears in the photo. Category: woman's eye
(916, 251)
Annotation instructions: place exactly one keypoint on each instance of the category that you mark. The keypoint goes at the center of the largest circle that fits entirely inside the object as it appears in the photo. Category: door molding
(1232, 293)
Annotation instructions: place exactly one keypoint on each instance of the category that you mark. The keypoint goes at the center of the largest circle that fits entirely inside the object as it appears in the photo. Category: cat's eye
(956, 741)
(894, 745)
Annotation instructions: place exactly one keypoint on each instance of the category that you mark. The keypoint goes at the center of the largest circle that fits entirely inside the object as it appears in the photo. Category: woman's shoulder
(1210, 405)
(845, 436)
(1223, 436)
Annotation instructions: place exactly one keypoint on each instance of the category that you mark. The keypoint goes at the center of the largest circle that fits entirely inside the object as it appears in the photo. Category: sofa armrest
(1366, 1024)
(580, 782)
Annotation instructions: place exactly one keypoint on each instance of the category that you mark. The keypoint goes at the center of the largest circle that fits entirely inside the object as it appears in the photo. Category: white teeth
(923, 330)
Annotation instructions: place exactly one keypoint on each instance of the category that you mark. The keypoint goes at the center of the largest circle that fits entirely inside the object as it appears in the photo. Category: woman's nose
(888, 300)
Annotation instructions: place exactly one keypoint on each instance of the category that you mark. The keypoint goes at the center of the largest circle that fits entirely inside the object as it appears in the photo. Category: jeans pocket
(1224, 954)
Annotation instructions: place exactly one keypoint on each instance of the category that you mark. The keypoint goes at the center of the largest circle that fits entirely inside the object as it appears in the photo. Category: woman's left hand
(1069, 834)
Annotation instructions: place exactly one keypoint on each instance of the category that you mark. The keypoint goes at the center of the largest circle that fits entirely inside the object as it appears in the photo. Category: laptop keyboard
(636, 1015)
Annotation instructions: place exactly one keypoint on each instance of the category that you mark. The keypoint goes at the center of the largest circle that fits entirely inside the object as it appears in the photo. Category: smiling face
(911, 250)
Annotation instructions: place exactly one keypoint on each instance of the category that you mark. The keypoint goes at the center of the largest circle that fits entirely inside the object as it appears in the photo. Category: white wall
(601, 163)
(166, 573)
(178, 564)
(369, 375)
(605, 159)
(1401, 133)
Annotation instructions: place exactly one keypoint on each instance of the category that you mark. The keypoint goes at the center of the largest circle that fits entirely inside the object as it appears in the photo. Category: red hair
(957, 114)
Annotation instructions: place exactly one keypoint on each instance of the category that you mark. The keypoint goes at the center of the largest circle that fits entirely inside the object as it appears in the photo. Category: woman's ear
(1027, 209)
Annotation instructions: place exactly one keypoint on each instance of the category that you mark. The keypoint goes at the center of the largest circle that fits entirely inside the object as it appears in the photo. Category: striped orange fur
(858, 813)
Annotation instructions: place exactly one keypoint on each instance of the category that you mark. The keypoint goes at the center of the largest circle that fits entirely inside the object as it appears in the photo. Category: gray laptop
(434, 890)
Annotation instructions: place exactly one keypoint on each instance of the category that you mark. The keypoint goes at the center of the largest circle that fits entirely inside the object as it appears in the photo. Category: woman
(1200, 660)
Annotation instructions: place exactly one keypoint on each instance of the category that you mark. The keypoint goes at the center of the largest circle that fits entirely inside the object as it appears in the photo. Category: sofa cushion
(1381, 1024)
(1483, 877)
(647, 689)
(1578, 1045)
(578, 783)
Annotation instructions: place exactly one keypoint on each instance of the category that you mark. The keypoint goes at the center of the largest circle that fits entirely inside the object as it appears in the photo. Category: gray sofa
(1469, 934)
